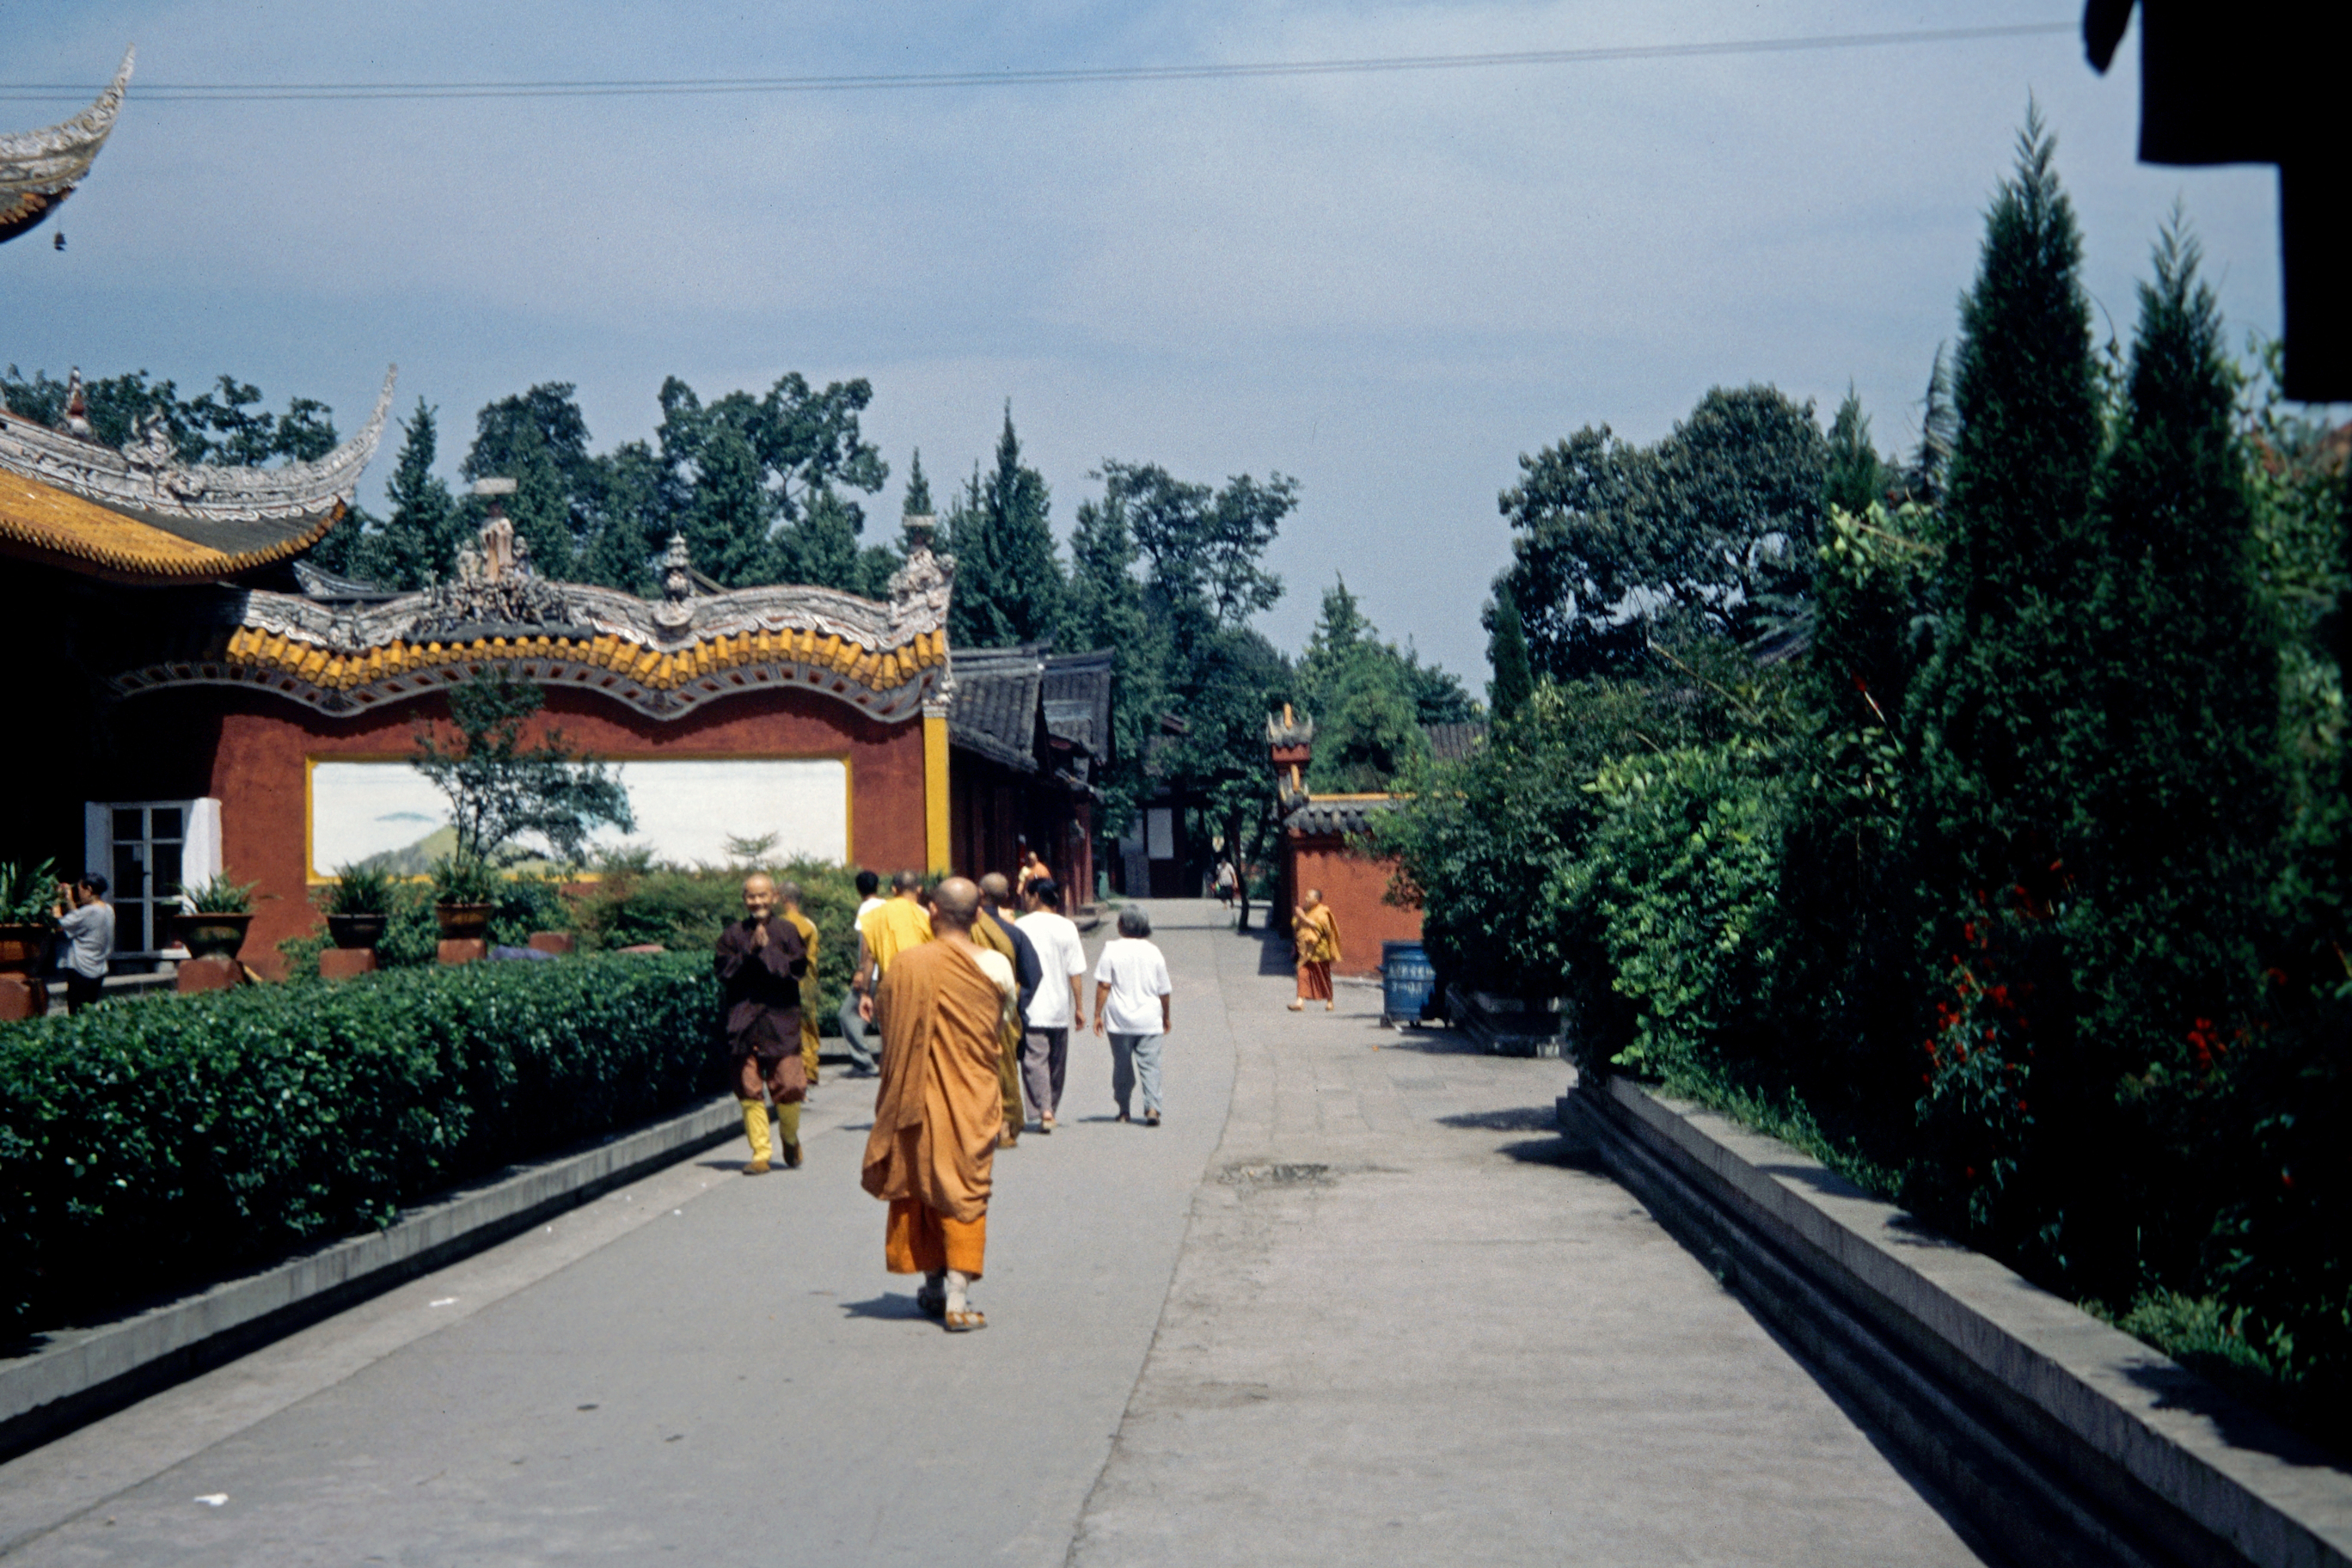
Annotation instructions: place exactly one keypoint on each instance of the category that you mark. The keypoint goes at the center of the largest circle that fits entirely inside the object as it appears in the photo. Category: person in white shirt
(1056, 1008)
(86, 923)
(853, 1027)
(1132, 1004)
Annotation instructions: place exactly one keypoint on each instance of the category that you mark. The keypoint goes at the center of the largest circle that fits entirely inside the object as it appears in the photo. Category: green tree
(501, 791)
(417, 544)
(1855, 477)
(917, 502)
(1367, 729)
(1102, 607)
(1008, 578)
(539, 440)
(1507, 653)
(2007, 725)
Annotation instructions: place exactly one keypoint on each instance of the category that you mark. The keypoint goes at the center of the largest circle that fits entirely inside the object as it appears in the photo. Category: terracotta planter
(23, 950)
(356, 931)
(463, 922)
(207, 935)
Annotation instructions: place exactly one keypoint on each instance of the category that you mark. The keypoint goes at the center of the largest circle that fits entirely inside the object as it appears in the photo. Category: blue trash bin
(1407, 979)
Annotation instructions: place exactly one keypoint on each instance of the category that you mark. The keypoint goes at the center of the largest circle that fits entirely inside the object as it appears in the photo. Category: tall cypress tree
(2005, 724)
(1507, 651)
(918, 489)
(1008, 580)
(2177, 805)
(1855, 477)
(419, 542)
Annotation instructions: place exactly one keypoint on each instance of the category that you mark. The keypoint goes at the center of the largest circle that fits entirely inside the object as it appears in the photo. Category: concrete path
(1401, 1328)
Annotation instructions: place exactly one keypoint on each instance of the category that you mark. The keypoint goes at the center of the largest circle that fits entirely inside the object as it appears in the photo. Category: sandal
(1151, 1119)
(1298, 1006)
(963, 1322)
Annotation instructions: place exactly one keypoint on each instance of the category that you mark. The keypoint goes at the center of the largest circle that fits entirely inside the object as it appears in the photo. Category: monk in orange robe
(1317, 932)
(941, 1105)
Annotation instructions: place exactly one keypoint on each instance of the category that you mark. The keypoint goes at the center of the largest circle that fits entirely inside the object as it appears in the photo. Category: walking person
(932, 1152)
(853, 1027)
(996, 930)
(87, 922)
(897, 922)
(1059, 1004)
(1225, 883)
(1316, 930)
(1032, 871)
(788, 904)
(1132, 1005)
(760, 962)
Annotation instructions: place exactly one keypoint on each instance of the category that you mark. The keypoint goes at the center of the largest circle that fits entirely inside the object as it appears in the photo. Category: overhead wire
(273, 92)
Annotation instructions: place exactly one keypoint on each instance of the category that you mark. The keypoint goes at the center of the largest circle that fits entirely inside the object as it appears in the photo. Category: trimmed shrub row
(148, 1144)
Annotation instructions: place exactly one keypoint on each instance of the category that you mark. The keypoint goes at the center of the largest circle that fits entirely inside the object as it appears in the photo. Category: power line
(276, 92)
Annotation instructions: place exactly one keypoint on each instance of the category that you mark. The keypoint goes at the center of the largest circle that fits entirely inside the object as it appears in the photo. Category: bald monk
(994, 929)
(1317, 932)
(788, 902)
(900, 922)
(760, 962)
(940, 1106)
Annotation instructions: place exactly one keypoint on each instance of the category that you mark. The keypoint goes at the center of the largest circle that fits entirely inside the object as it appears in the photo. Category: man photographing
(87, 922)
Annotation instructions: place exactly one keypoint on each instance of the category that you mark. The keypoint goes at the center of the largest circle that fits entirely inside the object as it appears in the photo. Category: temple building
(1028, 733)
(1323, 841)
(203, 699)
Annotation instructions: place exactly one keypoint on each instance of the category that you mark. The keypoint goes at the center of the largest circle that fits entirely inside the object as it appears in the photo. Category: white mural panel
(687, 809)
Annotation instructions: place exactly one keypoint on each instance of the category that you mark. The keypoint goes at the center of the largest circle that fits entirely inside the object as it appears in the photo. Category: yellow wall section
(935, 790)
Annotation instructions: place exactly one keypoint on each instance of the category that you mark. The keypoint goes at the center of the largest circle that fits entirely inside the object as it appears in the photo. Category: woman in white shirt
(1132, 1005)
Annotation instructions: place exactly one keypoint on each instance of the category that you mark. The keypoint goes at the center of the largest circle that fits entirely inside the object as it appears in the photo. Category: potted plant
(464, 895)
(27, 894)
(218, 910)
(357, 905)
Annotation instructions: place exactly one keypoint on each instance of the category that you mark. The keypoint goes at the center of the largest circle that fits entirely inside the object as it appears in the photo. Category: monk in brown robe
(760, 960)
(941, 1105)
(1317, 932)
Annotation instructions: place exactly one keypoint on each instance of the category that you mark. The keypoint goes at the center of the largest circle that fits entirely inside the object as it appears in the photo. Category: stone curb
(55, 1389)
(2056, 1436)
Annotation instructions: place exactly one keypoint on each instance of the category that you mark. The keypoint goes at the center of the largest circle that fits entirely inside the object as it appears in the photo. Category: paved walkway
(1370, 1315)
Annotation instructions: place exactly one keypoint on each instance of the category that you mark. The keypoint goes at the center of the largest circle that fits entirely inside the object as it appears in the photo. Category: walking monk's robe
(988, 931)
(1318, 949)
(809, 1003)
(937, 1113)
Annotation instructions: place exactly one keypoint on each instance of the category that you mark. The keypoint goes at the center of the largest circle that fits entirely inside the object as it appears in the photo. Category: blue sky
(1388, 285)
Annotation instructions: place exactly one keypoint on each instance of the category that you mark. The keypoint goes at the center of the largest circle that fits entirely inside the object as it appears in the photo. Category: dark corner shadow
(1518, 1119)
(729, 1166)
(1276, 955)
(2205, 1390)
(1575, 1153)
(1432, 1041)
(888, 1307)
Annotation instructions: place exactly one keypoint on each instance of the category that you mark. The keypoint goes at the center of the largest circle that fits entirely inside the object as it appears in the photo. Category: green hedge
(149, 1144)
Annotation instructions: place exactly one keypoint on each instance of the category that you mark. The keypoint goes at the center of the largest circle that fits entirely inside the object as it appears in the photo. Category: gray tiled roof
(996, 702)
(1452, 742)
(1337, 815)
(1077, 700)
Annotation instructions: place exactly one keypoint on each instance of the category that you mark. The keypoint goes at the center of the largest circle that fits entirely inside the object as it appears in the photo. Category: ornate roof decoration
(38, 169)
(664, 659)
(231, 511)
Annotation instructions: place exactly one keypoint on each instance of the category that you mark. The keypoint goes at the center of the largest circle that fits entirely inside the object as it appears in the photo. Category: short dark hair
(867, 882)
(1045, 893)
(94, 883)
(1133, 922)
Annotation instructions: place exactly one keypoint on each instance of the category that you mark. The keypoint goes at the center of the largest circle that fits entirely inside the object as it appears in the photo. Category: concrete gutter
(2056, 1437)
(81, 1375)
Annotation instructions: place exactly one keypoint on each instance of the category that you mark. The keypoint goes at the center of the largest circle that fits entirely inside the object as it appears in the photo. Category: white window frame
(200, 857)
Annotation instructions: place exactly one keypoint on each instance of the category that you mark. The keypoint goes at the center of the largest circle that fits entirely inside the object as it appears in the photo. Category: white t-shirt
(1062, 955)
(1138, 977)
(867, 908)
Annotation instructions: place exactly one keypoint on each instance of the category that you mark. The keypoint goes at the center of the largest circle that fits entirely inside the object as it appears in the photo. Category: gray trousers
(1044, 1063)
(852, 1033)
(1135, 1059)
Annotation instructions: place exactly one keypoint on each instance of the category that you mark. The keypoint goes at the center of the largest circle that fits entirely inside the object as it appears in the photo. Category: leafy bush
(357, 891)
(220, 895)
(28, 893)
(195, 1134)
(466, 879)
(635, 901)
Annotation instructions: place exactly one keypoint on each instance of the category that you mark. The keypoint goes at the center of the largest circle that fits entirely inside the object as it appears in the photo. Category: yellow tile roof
(45, 523)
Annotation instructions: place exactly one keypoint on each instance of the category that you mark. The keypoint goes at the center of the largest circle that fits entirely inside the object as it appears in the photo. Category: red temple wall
(1356, 887)
(250, 751)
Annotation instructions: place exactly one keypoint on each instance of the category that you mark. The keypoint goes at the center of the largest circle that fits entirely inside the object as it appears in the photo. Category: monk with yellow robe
(897, 923)
(940, 1106)
(788, 900)
(1317, 931)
